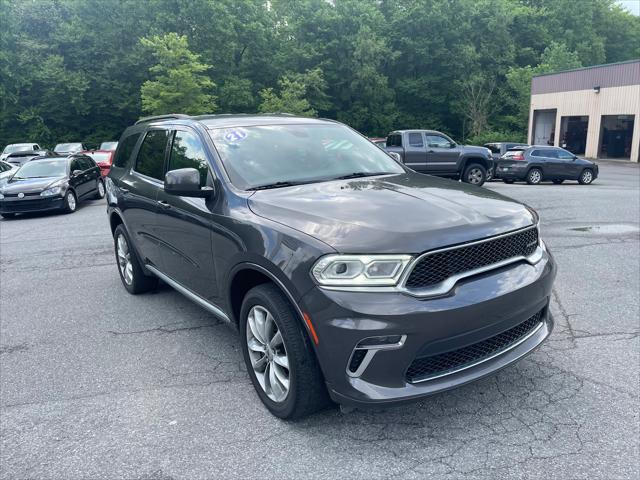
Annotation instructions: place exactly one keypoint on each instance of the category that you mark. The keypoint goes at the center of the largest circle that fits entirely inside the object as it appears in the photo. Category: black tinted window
(187, 151)
(86, 163)
(394, 140)
(150, 160)
(75, 165)
(538, 153)
(415, 140)
(125, 148)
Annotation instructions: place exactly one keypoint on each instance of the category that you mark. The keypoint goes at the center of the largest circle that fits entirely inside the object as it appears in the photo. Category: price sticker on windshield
(235, 135)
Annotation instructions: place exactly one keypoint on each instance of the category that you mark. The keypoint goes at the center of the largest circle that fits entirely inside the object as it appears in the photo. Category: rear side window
(538, 153)
(513, 153)
(187, 151)
(415, 139)
(125, 149)
(150, 161)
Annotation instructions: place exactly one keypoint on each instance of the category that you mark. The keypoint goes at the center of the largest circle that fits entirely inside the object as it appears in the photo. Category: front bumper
(480, 308)
(30, 204)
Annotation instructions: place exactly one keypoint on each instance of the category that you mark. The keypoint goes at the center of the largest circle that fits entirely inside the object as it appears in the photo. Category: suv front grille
(438, 266)
(424, 368)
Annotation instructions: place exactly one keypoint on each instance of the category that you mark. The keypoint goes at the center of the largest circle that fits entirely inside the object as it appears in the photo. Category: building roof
(604, 76)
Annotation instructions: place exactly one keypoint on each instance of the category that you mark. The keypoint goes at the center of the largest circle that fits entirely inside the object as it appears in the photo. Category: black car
(349, 276)
(539, 163)
(51, 183)
(498, 149)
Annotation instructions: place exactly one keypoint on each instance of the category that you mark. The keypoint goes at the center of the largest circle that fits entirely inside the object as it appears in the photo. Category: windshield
(265, 155)
(17, 148)
(42, 168)
(67, 147)
(108, 145)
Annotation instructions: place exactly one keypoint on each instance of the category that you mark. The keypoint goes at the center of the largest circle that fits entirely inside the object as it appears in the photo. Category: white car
(6, 170)
(19, 147)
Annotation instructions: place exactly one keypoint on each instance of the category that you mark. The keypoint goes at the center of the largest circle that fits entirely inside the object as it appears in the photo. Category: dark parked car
(51, 183)
(428, 151)
(345, 272)
(104, 159)
(539, 163)
(67, 148)
(498, 149)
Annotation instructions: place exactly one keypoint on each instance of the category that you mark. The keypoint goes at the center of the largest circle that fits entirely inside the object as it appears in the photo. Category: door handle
(163, 204)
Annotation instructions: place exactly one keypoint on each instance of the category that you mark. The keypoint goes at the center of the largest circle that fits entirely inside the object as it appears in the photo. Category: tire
(490, 175)
(100, 191)
(508, 181)
(475, 174)
(70, 202)
(129, 268)
(586, 177)
(558, 181)
(7, 215)
(534, 176)
(306, 391)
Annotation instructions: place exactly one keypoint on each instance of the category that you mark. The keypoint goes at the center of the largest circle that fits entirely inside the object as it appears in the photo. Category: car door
(140, 187)
(89, 175)
(78, 177)
(442, 156)
(568, 167)
(184, 223)
(415, 153)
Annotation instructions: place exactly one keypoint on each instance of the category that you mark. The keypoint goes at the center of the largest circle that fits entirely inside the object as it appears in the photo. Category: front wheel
(475, 174)
(70, 202)
(534, 177)
(278, 354)
(586, 177)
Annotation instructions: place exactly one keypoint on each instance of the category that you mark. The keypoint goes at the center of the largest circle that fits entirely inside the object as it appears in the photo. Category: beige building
(593, 111)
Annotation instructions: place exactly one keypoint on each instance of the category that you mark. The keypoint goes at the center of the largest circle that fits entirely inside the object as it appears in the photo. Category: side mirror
(453, 145)
(396, 156)
(575, 157)
(75, 173)
(185, 182)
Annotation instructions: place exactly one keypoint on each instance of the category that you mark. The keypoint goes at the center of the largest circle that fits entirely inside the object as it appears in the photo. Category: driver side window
(438, 141)
(564, 155)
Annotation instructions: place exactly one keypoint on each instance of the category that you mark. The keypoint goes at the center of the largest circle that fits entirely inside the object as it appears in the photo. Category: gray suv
(349, 277)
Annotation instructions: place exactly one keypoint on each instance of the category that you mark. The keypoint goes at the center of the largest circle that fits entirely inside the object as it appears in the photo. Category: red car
(104, 159)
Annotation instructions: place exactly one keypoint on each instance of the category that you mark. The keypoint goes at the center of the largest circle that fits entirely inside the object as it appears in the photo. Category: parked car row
(50, 183)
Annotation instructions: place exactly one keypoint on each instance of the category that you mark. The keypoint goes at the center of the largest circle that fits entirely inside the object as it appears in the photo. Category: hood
(474, 149)
(29, 185)
(407, 213)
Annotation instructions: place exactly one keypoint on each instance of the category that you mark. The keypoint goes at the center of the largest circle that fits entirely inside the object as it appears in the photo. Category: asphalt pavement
(97, 383)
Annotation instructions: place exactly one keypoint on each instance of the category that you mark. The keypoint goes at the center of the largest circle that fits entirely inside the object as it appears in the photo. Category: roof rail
(161, 117)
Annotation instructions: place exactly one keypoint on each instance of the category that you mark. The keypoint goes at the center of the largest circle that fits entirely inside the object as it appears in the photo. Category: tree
(291, 99)
(180, 84)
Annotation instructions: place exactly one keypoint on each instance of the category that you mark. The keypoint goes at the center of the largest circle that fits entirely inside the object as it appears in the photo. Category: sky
(632, 5)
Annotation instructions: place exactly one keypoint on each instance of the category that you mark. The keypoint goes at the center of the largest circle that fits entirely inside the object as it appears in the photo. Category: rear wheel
(131, 273)
(475, 174)
(70, 202)
(279, 357)
(100, 189)
(534, 177)
(586, 177)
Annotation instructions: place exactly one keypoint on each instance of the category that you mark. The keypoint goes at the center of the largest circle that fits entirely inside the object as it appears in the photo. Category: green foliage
(180, 84)
(490, 136)
(84, 70)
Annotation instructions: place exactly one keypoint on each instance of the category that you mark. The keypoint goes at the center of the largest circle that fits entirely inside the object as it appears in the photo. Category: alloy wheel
(100, 189)
(475, 176)
(71, 202)
(124, 260)
(268, 353)
(535, 176)
(587, 176)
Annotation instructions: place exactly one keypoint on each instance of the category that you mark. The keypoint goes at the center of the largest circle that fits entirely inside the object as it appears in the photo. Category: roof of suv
(234, 120)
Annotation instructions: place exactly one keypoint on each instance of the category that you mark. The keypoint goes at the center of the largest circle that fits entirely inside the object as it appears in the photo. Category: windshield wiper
(360, 175)
(276, 185)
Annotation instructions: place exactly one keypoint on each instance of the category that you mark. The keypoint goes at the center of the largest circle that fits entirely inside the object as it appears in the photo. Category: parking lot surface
(97, 383)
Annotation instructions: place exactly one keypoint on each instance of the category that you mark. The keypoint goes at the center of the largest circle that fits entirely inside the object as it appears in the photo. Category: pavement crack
(165, 329)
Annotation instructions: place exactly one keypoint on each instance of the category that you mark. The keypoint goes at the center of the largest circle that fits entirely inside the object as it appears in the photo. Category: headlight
(360, 270)
(52, 191)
